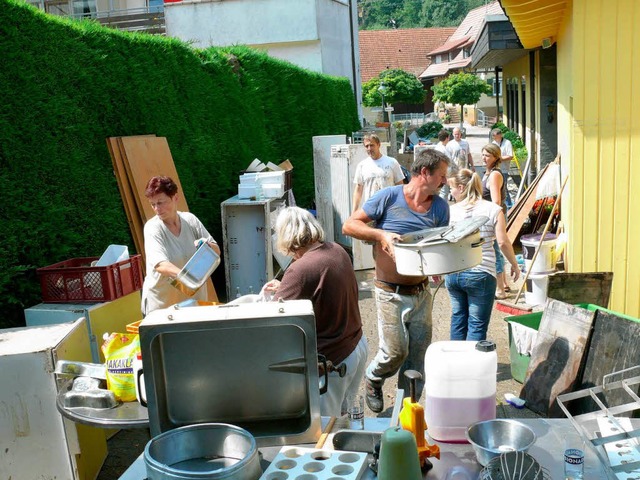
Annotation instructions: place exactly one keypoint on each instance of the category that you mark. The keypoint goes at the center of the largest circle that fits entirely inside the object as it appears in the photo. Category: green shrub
(68, 85)
(429, 130)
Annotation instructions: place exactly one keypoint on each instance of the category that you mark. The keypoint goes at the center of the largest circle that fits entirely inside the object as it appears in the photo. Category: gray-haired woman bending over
(322, 272)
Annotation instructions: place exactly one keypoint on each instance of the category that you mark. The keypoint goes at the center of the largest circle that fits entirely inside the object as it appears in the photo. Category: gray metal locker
(247, 230)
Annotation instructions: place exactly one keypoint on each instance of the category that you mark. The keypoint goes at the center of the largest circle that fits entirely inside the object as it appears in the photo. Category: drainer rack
(605, 418)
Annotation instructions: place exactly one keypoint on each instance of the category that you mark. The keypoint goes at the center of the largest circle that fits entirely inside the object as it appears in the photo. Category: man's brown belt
(402, 289)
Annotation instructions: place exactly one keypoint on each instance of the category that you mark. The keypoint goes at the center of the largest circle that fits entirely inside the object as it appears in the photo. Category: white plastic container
(537, 286)
(113, 254)
(460, 387)
(546, 259)
(246, 190)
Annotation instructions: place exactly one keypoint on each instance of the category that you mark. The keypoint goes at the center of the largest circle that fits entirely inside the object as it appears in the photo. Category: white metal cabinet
(247, 230)
(322, 179)
(343, 162)
(101, 318)
(35, 440)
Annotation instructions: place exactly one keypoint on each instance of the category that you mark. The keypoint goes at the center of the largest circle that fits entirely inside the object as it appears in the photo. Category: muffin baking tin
(296, 463)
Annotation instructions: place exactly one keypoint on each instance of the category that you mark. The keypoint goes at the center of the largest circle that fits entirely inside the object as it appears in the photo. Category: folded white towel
(524, 337)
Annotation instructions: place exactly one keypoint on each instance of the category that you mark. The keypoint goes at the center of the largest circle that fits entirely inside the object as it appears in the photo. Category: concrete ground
(127, 445)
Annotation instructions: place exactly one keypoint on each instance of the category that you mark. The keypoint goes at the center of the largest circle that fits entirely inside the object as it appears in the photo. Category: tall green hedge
(66, 86)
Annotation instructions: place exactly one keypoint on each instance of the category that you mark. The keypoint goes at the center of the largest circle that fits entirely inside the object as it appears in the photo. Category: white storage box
(113, 254)
(272, 190)
(263, 178)
(247, 190)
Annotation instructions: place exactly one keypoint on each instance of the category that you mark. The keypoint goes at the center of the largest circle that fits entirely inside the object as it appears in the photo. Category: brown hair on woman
(161, 184)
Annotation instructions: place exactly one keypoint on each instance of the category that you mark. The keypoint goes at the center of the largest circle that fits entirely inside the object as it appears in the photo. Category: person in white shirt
(170, 240)
(443, 140)
(443, 137)
(506, 152)
(374, 173)
(460, 151)
(506, 149)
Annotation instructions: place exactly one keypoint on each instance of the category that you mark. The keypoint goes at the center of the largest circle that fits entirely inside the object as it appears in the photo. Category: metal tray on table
(604, 416)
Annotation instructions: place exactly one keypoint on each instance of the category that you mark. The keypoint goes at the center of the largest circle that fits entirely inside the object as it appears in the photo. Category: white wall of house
(319, 35)
(304, 54)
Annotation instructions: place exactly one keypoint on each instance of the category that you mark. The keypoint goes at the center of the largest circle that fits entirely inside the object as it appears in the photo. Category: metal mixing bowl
(206, 451)
(493, 437)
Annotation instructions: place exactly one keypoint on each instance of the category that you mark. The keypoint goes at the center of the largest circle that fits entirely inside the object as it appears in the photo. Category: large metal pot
(197, 270)
(211, 451)
(442, 250)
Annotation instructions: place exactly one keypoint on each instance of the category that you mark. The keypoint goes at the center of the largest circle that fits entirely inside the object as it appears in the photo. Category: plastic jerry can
(460, 387)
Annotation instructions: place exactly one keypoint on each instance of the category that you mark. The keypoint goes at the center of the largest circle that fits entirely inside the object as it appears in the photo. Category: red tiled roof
(449, 45)
(464, 35)
(435, 70)
(405, 48)
(470, 26)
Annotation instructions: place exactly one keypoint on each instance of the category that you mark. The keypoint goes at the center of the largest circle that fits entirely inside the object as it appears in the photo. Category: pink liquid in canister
(448, 418)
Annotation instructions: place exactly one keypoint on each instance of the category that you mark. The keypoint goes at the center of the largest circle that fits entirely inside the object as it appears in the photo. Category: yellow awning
(535, 20)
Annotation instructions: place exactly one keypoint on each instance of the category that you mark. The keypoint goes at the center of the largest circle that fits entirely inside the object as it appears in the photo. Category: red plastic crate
(76, 281)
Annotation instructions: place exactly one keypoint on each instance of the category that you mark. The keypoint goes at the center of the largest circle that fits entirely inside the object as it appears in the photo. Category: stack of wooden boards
(576, 345)
(135, 160)
(522, 208)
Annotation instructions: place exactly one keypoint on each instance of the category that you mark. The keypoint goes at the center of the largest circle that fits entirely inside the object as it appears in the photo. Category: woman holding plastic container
(472, 291)
(170, 240)
(322, 272)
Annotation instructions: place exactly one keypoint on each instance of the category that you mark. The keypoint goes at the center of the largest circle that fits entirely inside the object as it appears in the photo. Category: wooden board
(126, 193)
(146, 157)
(557, 356)
(521, 210)
(132, 200)
(588, 287)
(614, 346)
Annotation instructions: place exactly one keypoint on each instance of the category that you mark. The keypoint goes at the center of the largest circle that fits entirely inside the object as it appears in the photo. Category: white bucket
(536, 293)
(545, 261)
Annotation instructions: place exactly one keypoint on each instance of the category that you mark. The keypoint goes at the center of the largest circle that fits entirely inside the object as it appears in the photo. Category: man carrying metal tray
(404, 303)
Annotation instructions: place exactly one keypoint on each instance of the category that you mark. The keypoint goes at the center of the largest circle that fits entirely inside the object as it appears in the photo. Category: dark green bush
(429, 130)
(69, 85)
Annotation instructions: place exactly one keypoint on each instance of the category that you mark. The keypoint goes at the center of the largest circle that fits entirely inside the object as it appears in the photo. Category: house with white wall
(319, 35)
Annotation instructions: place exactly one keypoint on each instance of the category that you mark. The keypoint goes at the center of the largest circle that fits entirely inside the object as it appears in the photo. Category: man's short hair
(496, 131)
(429, 158)
(443, 135)
(372, 137)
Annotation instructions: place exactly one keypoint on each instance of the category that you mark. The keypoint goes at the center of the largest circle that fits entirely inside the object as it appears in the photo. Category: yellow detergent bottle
(412, 419)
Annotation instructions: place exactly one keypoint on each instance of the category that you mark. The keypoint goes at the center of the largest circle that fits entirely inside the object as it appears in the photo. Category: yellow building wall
(599, 97)
(515, 71)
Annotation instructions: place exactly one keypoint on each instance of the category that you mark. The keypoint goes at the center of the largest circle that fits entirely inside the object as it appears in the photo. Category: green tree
(399, 86)
(460, 89)
(385, 14)
(443, 13)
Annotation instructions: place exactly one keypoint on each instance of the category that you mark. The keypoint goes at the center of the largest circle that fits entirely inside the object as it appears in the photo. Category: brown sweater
(325, 276)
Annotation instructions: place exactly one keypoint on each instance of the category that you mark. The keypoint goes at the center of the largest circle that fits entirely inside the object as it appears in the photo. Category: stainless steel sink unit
(249, 365)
